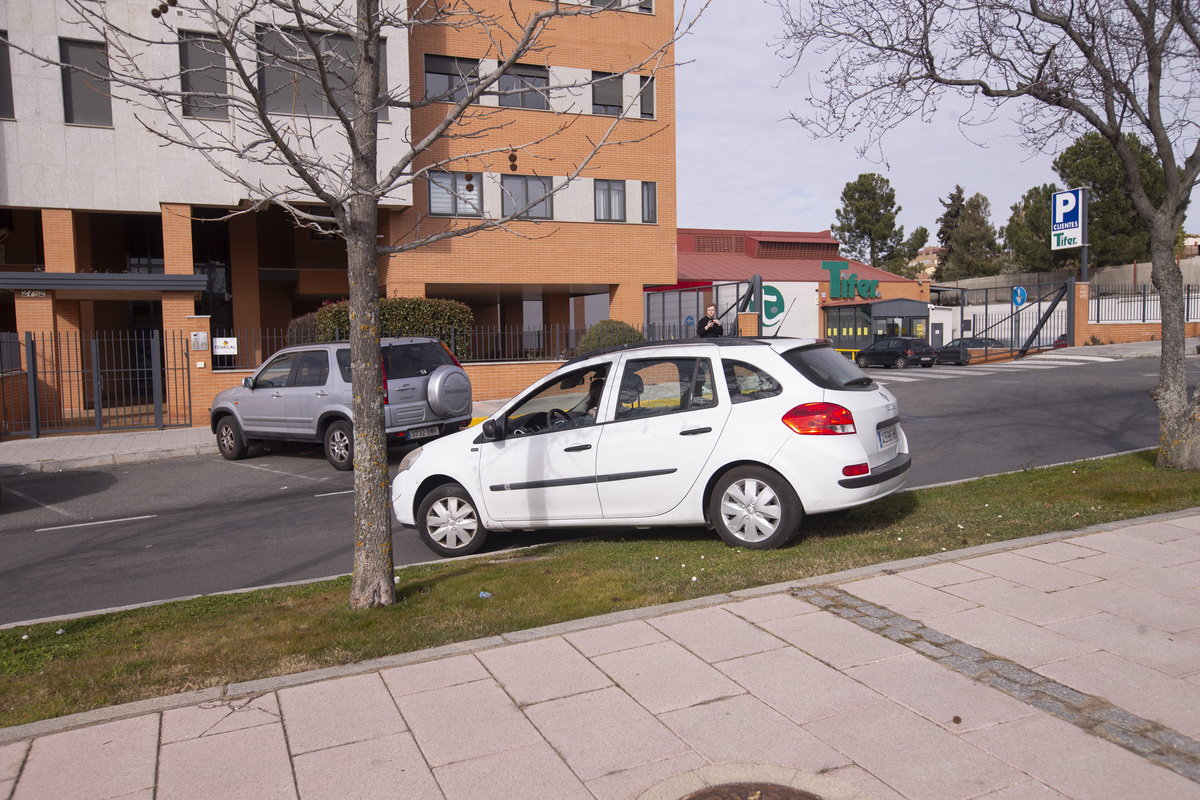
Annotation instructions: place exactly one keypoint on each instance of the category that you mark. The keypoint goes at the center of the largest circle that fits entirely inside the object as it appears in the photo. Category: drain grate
(751, 791)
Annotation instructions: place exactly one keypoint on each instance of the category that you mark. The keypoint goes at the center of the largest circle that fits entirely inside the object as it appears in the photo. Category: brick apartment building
(104, 229)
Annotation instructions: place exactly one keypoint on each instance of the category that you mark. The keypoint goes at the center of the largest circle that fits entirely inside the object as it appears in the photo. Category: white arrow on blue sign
(1019, 296)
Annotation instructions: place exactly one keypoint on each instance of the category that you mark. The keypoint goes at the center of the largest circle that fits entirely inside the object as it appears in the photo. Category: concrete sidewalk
(1060, 666)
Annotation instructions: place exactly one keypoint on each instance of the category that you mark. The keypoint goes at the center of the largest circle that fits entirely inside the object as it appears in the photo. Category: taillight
(450, 353)
(910, 352)
(383, 369)
(820, 419)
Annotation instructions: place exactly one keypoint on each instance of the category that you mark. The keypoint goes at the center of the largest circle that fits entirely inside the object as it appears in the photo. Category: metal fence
(91, 382)
(246, 349)
(1140, 303)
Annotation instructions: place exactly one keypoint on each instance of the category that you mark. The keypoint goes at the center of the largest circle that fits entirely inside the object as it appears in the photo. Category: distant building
(926, 260)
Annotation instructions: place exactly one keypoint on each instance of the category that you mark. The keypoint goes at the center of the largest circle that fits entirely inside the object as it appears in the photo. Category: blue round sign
(689, 320)
(1019, 296)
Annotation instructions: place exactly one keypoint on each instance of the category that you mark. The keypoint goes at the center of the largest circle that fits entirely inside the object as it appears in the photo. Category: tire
(861, 361)
(339, 445)
(901, 362)
(755, 508)
(229, 439)
(448, 522)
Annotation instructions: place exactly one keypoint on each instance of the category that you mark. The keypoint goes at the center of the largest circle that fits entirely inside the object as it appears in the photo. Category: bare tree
(284, 99)
(1063, 67)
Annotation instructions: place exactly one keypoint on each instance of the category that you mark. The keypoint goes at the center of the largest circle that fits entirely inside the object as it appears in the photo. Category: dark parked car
(958, 351)
(896, 351)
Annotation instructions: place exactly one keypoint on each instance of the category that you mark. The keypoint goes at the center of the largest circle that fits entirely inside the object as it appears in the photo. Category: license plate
(423, 433)
(887, 436)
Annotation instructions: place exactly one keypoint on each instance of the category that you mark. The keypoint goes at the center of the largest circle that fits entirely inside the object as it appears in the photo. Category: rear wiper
(863, 381)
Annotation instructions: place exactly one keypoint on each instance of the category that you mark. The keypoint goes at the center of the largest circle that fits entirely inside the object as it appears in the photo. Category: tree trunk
(1179, 427)
(372, 582)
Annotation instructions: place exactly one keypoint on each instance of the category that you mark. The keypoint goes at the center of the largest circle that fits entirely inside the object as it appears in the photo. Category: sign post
(1068, 223)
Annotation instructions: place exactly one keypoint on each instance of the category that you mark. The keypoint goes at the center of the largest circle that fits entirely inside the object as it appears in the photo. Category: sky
(742, 164)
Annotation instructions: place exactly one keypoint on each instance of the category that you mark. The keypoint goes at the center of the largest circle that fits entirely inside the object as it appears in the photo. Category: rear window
(827, 368)
(413, 360)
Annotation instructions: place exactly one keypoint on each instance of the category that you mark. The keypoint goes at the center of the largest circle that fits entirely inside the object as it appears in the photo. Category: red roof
(705, 254)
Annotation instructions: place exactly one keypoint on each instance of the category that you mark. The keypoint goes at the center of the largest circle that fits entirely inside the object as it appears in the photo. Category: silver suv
(303, 394)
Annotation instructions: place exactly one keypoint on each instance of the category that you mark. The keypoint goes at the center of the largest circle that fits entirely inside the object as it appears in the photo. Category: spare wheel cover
(449, 392)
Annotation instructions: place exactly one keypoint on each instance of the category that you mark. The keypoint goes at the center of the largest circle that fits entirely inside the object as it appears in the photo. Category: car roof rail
(709, 342)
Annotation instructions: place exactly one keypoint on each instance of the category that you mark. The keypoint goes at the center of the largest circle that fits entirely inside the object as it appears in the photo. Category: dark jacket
(702, 328)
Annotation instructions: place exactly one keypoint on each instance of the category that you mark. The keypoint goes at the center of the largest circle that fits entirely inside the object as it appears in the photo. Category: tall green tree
(866, 222)
(901, 261)
(1116, 234)
(974, 248)
(1027, 234)
(952, 208)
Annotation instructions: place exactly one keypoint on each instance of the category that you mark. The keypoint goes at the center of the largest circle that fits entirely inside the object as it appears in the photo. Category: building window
(610, 201)
(6, 94)
(519, 190)
(647, 97)
(449, 79)
(144, 244)
(86, 98)
(643, 6)
(202, 72)
(455, 194)
(649, 201)
(607, 95)
(524, 87)
(289, 80)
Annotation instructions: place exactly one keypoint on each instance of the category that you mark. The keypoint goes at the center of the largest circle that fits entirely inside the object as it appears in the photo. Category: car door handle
(577, 448)
(277, 394)
(695, 431)
(322, 393)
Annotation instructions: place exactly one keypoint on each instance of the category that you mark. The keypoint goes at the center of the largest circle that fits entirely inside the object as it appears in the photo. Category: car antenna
(775, 335)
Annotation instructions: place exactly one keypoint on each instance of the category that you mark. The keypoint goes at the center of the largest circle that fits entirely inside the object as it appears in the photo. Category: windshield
(828, 368)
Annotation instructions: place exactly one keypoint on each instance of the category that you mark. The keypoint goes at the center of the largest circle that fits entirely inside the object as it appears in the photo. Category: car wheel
(339, 445)
(861, 361)
(901, 362)
(755, 508)
(229, 439)
(448, 522)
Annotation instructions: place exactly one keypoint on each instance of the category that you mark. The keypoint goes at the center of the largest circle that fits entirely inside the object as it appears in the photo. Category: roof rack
(711, 341)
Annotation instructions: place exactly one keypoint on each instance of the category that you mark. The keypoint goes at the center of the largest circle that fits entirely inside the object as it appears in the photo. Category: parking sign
(1068, 219)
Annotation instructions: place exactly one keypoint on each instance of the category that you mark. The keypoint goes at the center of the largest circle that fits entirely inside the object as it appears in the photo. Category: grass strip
(49, 670)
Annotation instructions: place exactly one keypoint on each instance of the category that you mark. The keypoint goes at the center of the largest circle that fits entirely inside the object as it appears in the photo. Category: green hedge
(449, 320)
(607, 333)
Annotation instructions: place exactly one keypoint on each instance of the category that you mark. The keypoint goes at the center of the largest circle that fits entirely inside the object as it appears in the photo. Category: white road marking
(97, 522)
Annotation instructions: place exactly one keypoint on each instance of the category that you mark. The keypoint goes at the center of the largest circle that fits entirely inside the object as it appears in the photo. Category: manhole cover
(751, 791)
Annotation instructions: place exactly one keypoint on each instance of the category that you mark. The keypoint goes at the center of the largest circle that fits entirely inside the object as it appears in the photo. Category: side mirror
(248, 383)
(494, 429)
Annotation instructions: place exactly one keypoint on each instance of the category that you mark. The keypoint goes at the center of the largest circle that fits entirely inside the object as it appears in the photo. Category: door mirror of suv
(248, 383)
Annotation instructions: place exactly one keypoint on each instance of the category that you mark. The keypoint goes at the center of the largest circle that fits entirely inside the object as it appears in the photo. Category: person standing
(708, 324)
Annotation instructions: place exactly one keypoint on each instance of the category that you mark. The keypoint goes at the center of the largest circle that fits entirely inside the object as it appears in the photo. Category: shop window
(519, 190)
(524, 86)
(449, 79)
(607, 94)
(86, 99)
(610, 201)
(202, 74)
(455, 194)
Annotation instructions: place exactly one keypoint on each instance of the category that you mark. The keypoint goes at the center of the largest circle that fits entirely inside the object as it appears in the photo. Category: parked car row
(958, 351)
(895, 351)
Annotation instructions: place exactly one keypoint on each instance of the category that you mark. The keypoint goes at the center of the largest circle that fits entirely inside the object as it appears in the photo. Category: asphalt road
(84, 540)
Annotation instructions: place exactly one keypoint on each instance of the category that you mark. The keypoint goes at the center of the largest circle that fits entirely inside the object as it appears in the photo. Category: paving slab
(252, 762)
(534, 772)
(383, 768)
(663, 677)
(908, 596)
(102, 761)
(337, 712)
(1034, 573)
(1172, 613)
(714, 634)
(541, 670)
(1161, 650)
(465, 721)
(1021, 601)
(833, 640)
(1023, 642)
(1078, 765)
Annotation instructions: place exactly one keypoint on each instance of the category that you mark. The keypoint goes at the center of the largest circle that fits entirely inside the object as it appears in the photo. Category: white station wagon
(742, 435)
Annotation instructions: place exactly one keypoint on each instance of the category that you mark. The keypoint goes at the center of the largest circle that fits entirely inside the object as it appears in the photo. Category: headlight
(410, 459)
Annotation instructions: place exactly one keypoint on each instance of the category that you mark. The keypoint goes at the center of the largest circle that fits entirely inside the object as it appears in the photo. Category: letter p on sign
(1064, 204)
